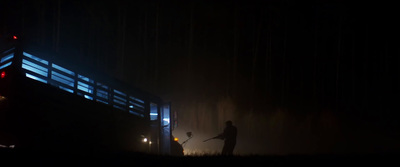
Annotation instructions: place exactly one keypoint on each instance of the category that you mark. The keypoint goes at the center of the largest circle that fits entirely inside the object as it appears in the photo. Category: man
(229, 137)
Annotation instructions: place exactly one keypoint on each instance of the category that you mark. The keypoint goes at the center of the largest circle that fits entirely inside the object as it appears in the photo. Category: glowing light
(3, 74)
(35, 78)
(88, 97)
(176, 139)
(166, 120)
(15, 37)
(2, 98)
(145, 140)
(5, 65)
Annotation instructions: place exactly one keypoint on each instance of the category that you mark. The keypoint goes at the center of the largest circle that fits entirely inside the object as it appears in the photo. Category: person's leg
(224, 149)
(229, 150)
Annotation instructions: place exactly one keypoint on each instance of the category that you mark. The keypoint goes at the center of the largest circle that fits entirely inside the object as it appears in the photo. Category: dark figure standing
(229, 137)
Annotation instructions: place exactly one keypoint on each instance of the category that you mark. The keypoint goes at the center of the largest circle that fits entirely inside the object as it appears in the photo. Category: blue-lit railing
(50, 73)
(6, 58)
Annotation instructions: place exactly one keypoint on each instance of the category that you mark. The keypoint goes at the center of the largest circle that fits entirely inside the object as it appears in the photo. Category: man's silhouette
(229, 137)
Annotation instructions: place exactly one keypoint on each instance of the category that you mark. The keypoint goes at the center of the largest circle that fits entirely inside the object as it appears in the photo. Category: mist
(279, 132)
(294, 77)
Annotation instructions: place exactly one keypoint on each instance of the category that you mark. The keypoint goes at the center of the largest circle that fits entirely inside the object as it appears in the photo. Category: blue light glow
(66, 89)
(102, 94)
(119, 107)
(119, 102)
(85, 78)
(35, 78)
(35, 58)
(120, 98)
(153, 111)
(136, 106)
(9, 50)
(5, 65)
(8, 57)
(136, 113)
(136, 99)
(62, 79)
(88, 97)
(65, 79)
(166, 120)
(35, 66)
(85, 87)
(85, 96)
(5, 61)
(165, 114)
(98, 100)
(29, 68)
(102, 85)
(119, 92)
(62, 69)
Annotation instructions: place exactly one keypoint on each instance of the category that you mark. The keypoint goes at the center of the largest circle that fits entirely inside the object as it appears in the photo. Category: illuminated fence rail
(6, 58)
(50, 73)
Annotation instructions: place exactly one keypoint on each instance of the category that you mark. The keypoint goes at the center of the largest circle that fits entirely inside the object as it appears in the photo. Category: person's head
(228, 123)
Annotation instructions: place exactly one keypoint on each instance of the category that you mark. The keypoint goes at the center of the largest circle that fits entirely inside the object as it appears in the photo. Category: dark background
(293, 76)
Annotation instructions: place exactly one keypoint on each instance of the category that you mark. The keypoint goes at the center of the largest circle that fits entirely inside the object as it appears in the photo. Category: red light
(15, 37)
(3, 74)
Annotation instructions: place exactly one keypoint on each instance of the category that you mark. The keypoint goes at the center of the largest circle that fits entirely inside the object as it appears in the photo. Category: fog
(279, 132)
(294, 77)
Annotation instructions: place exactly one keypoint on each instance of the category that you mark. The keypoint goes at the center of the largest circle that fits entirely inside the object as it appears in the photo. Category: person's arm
(220, 136)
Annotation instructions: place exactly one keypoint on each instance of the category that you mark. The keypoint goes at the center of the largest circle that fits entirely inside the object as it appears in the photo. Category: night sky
(293, 76)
